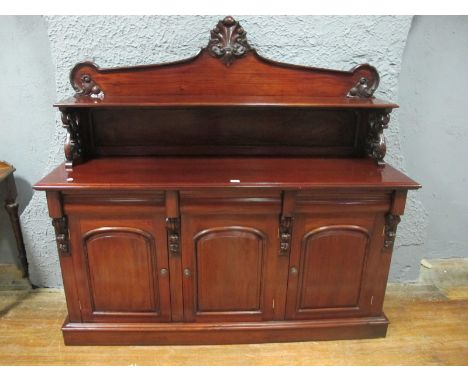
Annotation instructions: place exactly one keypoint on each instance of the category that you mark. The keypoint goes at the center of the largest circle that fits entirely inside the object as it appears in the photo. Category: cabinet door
(120, 261)
(333, 257)
(231, 264)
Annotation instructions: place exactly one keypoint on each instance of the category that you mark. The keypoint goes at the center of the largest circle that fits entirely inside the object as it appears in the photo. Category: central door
(230, 258)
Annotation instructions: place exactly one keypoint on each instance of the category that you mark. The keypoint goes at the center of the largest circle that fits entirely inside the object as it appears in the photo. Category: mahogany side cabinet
(225, 198)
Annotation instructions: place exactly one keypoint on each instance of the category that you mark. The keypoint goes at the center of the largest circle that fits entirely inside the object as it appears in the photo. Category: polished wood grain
(223, 332)
(334, 255)
(225, 198)
(120, 261)
(204, 75)
(222, 255)
(224, 131)
(324, 251)
(179, 173)
(228, 101)
(130, 284)
(231, 263)
(31, 335)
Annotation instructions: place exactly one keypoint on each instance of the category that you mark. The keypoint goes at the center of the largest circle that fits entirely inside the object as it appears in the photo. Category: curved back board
(227, 67)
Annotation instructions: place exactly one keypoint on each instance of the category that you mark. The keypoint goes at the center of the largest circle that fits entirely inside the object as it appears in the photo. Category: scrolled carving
(366, 85)
(89, 87)
(376, 144)
(73, 145)
(391, 223)
(83, 82)
(173, 236)
(228, 41)
(61, 235)
(285, 232)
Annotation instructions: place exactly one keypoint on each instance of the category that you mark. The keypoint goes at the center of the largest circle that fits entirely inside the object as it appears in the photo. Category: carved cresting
(73, 147)
(391, 223)
(285, 231)
(61, 235)
(228, 41)
(173, 236)
(376, 144)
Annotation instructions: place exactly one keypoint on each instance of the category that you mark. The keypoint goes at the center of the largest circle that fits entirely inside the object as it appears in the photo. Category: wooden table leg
(11, 207)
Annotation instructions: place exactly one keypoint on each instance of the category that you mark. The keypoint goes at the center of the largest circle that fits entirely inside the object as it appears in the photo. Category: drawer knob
(293, 270)
(187, 272)
(163, 272)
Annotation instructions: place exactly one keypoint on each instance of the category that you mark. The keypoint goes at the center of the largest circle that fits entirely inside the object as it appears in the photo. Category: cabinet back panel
(226, 131)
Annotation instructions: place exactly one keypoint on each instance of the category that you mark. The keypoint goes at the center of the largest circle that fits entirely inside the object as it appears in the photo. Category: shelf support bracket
(376, 144)
(73, 145)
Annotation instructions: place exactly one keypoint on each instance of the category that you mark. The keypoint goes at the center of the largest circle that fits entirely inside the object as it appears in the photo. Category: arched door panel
(330, 268)
(121, 264)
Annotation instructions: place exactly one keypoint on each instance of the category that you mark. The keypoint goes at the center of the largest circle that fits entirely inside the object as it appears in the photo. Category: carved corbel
(61, 235)
(285, 232)
(173, 236)
(376, 144)
(228, 41)
(391, 223)
(73, 146)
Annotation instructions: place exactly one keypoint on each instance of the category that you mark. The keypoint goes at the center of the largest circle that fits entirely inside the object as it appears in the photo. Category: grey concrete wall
(326, 41)
(432, 92)
(26, 118)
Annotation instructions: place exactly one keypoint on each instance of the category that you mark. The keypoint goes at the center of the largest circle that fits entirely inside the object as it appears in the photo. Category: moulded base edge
(223, 333)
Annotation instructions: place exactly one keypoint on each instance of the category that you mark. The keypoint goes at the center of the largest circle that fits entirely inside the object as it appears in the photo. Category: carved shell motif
(228, 41)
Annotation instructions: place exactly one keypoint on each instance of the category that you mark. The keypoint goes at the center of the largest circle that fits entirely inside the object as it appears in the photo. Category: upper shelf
(226, 101)
(228, 72)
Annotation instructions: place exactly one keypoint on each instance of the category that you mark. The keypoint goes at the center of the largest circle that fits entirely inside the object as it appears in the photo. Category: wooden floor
(429, 326)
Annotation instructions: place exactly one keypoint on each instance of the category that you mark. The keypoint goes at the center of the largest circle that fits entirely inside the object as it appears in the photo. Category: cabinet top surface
(150, 173)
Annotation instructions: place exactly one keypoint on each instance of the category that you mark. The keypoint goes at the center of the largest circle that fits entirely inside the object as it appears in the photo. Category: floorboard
(428, 327)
